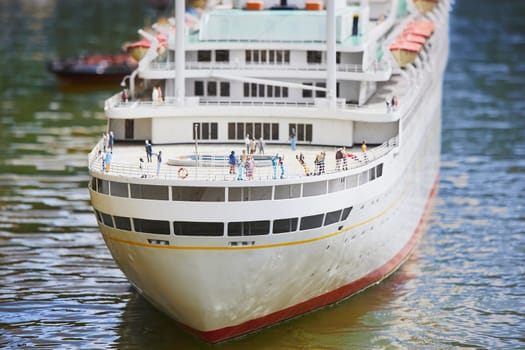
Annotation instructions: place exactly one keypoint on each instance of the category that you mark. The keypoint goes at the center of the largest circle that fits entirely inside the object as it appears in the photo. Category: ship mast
(331, 82)
(180, 28)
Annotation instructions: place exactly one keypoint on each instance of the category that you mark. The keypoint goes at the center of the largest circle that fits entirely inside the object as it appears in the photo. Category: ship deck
(126, 161)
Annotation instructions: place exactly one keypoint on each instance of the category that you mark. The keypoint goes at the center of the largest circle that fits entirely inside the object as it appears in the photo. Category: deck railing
(219, 170)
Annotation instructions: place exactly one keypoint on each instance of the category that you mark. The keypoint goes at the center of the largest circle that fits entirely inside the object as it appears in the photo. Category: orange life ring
(183, 173)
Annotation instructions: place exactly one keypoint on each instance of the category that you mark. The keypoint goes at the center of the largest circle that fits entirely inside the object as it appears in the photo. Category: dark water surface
(464, 286)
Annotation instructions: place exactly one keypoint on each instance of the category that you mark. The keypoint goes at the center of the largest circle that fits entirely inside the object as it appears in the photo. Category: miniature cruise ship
(293, 154)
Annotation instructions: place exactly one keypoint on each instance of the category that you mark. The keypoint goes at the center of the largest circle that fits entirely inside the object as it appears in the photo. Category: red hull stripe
(325, 299)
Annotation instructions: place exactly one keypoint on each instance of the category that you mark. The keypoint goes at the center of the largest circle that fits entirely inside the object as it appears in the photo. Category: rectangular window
(204, 56)
(211, 88)
(285, 92)
(205, 131)
(214, 131)
(336, 185)
(119, 189)
(222, 56)
(320, 94)
(225, 89)
(103, 186)
(351, 181)
(332, 217)
(275, 131)
(198, 194)
(307, 93)
(287, 56)
(122, 223)
(338, 57)
(310, 222)
(314, 188)
(106, 219)
(308, 133)
(249, 129)
(269, 91)
(257, 131)
(314, 56)
(277, 91)
(240, 131)
(246, 89)
(288, 191)
(196, 131)
(255, 55)
(149, 191)
(263, 56)
(372, 174)
(253, 90)
(248, 56)
(346, 212)
(261, 90)
(300, 132)
(198, 86)
(231, 131)
(285, 225)
(248, 228)
(187, 228)
(93, 183)
(379, 171)
(271, 56)
(266, 131)
(152, 226)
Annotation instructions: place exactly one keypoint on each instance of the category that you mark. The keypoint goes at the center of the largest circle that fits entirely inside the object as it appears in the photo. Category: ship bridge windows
(268, 131)
(119, 189)
(267, 56)
(205, 131)
(204, 56)
(304, 132)
(332, 217)
(261, 90)
(314, 188)
(187, 228)
(122, 223)
(248, 228)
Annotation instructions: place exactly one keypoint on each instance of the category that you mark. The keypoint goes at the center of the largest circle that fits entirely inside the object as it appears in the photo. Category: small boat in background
(94, 68)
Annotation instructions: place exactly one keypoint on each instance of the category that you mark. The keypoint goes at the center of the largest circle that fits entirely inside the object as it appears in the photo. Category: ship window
(285, 92)
(314, 56)
(205, 131)
(372, 173)
(261, 90)
(231, 131)
(97, 215)
(248, 128)
(198, 194)
(275, 131)
(257, 130)
(277, 91)
(287, 191)
(248, 228)
(106, 219)
(198, 86)
(119, 189)
(287, 56)
(214, 132)
(351, 181)
(332, 217)
(263, 56)
(285, 225)
(149, 192)
(211, 88)
(363, 178)
(379, 172)
(225, 88)
(307, 93)
(271, 55)
(103, 186)
(313, 221)
(246, 89)
(240, 131)
(248, 56)
(338, 57)
(303, 131)
(320, 94)
(122, 223)
(93, 183)
(346, 212)
(204, 56)
(222, 56)
(152, 226)
(237, 194)
(266, 131)
(314, 188)
(187, 228)
(336, 185)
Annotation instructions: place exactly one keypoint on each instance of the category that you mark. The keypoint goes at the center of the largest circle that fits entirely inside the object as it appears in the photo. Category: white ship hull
(227, 285)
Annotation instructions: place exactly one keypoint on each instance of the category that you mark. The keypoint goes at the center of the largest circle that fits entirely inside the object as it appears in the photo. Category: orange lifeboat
(138, 49)
(404, 51)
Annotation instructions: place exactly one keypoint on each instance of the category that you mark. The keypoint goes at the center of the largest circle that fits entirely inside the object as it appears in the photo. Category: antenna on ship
(180, 28)
(331, 82)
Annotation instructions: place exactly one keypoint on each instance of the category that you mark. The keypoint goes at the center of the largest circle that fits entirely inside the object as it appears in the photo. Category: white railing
(212, 170)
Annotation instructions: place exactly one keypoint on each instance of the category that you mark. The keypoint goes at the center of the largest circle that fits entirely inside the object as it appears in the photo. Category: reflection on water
(463, 287)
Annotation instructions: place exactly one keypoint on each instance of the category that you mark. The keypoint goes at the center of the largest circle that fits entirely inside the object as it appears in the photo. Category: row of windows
(261, 90)
(303, 132)
(241, 228)
(235, 194)
(205, 131)
(268, 131)
(261, 56)
(211, 88)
